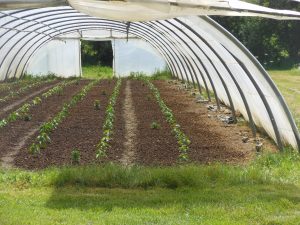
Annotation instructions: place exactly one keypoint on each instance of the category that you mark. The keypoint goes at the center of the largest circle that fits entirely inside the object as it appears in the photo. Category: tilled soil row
(81, 130)
(210, 142)
(115, 152)
(17, 132)
(154, 146)
(16, 101)
(6, 88)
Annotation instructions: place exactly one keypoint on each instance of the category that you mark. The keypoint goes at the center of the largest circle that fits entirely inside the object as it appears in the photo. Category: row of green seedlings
(44, 132)
(182, 139)
(108, 125)
(22, 90)
(8, 84)
(22, 113)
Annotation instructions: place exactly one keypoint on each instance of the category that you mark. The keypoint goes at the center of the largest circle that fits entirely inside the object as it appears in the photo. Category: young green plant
(108, 125)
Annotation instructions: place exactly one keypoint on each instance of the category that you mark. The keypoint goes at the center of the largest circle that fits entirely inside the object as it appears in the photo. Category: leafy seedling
(27, 117)
(36, 101)
(34, 149)
(155, 126)
(97, 104)
(75, 156)
(101, 154)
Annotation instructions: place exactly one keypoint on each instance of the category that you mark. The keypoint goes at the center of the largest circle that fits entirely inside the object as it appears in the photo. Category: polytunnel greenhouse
(42, 36)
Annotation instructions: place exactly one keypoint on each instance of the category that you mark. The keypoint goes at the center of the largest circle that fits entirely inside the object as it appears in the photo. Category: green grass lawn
(97, 72)
(288, 82)
(265, 192)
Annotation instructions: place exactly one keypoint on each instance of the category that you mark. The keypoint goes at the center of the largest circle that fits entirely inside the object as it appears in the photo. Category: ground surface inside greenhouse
(134, 141)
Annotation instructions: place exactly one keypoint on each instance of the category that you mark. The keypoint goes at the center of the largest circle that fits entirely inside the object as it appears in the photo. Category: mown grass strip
(108, 125)
(43, 138)
(22, 112)
(182, 139)
(265, 169)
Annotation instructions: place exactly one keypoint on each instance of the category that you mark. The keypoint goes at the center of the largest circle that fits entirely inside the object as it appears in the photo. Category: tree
(97, 53)
(275, 43)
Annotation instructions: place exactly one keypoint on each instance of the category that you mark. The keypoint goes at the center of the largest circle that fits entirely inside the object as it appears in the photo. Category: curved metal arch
(200, 61)
(243, 97)
(30, 15)
(295, 130)
(88, 18)
(40, 27)
(15, 12)
(263, 72)
(44, 12)
(48, 25)
(48, 39)
(208, 75)
(170, 64)
(179, 54)
(269, 111)
(194, 71)
(76, 28)
(220, 77)
(63, 21)
(182, 53)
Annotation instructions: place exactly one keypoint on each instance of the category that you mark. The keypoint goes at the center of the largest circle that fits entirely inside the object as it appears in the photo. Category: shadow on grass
(188, 187)
(284, 197)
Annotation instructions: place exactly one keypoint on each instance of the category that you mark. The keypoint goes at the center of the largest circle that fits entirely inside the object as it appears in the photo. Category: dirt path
(7, 161)
(128, 156)
(17, 136)
(17, 103)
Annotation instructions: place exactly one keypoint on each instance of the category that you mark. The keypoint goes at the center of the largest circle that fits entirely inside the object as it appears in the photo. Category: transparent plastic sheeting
(196, 49)
(136, 56)
(59, 57)
(130, 54)
(147, 10)
(62, 55)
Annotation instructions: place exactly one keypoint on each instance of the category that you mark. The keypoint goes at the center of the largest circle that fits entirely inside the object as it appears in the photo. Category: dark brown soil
(81, 130)
(14, 133)
(15, 102)
(117, 145)
(12, 87)
(211, 140)
(154, 146)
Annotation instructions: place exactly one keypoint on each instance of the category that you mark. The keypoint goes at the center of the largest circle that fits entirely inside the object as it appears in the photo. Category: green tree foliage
(275, 43)
(96, 53)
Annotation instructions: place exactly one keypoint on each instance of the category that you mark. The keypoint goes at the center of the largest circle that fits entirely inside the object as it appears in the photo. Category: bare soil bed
(16, 133)
(13, 103)
(136, 109)
(211, 140)
(154, 146)
(81, 130)
(6, 88)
